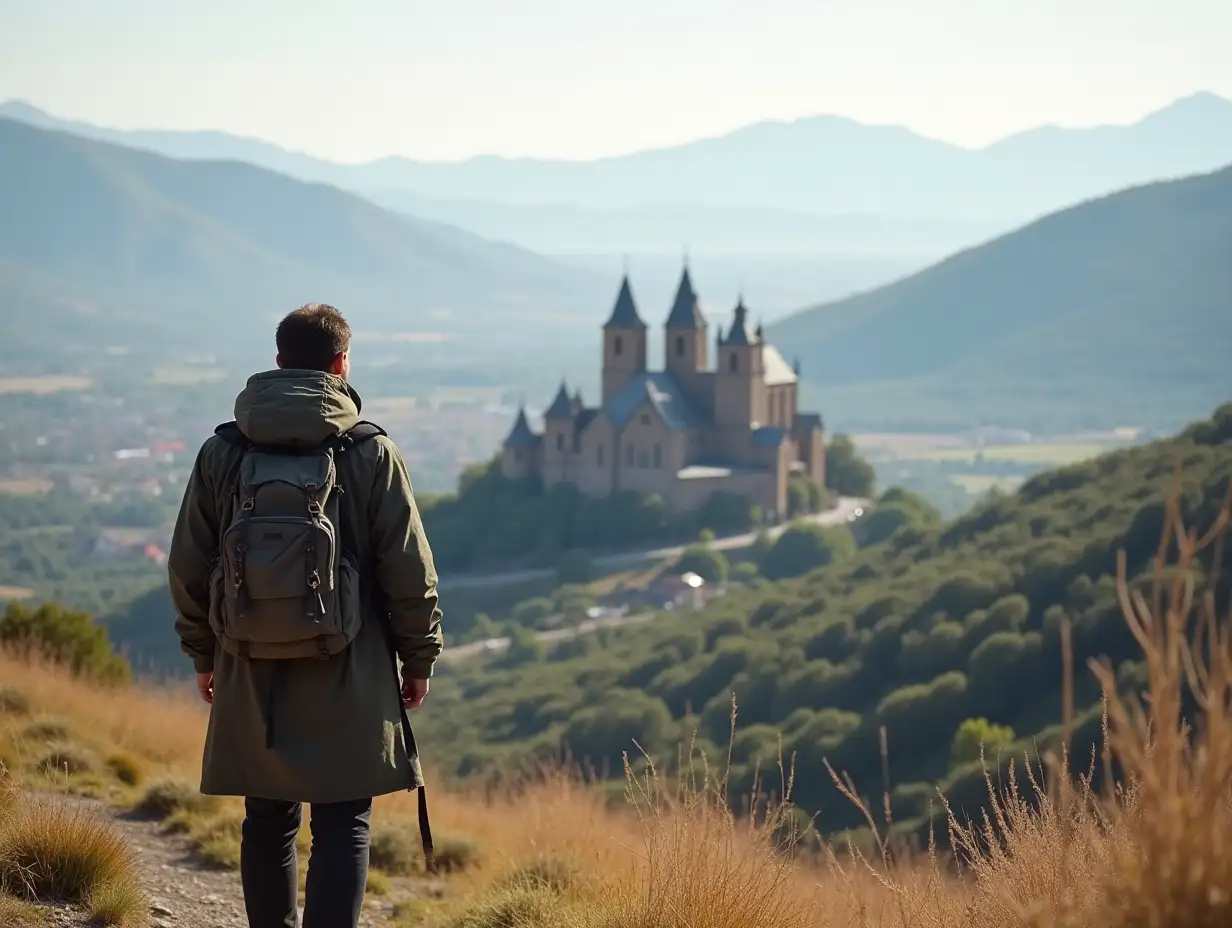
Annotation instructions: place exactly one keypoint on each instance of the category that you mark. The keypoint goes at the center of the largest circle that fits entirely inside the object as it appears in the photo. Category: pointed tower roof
(561, 407)
(738, 334)
(624, 313)
(685, 314)
(520, 436)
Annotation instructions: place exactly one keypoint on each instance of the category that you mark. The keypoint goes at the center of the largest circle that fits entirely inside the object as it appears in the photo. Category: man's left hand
(205, 687)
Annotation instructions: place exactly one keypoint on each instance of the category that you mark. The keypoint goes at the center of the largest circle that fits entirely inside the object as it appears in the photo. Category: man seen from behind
(306, 597)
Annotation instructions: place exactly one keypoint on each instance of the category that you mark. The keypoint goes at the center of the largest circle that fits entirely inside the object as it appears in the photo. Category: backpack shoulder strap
(359, 433)
(231, 434)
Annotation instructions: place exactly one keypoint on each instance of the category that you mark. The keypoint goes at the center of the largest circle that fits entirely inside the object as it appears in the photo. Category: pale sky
(355, 80)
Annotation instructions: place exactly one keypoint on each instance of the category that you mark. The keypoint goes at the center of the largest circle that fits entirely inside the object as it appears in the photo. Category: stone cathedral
(685, 432)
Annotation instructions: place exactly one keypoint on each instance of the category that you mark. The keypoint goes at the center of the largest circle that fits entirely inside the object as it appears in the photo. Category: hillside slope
(938, 624)
(823, 164)
(187, 245)
(1116, 311)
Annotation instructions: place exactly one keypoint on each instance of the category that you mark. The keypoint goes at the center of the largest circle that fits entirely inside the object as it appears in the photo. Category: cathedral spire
(624, 312)
(685, 314)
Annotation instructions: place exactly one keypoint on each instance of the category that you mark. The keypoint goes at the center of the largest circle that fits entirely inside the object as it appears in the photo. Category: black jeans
(337, 871)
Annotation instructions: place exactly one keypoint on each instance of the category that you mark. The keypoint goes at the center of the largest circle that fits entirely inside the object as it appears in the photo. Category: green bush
(704, 561)
(974, 734)
(804, 547)
(65, 637)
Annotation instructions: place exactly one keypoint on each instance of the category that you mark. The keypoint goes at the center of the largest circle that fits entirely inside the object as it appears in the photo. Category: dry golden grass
(1053, 850)
(51, 852)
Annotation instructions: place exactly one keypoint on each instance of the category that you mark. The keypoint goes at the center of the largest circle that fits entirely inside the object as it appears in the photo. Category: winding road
(847, 510)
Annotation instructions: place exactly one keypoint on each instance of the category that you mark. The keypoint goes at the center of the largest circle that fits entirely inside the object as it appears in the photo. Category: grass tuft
(454, 853)
(394, 849)
(67, 759)
(378, 883)
(167, 796)
(126, 768)
(17, 913)
(52, 853)
(47, 728)
(516, 907)
(547, 871)
(14, 701)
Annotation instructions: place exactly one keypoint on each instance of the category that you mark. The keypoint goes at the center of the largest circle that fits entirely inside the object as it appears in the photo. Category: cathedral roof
(738, 334)
(624, 312)
(769, 436)
(777, 370)
(663, 393)
(685, 314)
(521, 435)
(561, 407)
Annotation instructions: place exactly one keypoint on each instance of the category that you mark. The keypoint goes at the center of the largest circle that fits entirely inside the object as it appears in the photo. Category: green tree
(895, 508)
(806, 546)
(704, 561)
(974, 733)
(745, 572)
(804, 495)
(524, 648)
(847, 473)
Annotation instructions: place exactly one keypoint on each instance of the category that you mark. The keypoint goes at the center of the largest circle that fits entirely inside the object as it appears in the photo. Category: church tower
(685, 340)
(739, 377)
(624, 343)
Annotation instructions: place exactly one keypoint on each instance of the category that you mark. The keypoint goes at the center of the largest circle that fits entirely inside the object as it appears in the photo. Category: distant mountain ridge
(185, 247)
(1117, 311)
(826, 165)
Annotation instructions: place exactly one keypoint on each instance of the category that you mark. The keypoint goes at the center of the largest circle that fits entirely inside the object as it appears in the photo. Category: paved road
(845, 508)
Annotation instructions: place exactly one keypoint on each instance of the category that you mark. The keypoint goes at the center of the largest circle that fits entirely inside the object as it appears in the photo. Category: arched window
(560, 441)
(680, 346)
(618, 345)
(733, 362)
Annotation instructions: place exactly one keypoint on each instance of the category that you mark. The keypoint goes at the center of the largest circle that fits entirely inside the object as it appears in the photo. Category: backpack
(283, 585)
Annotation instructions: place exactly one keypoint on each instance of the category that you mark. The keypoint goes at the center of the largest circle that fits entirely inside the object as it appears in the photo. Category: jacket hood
(296, 407)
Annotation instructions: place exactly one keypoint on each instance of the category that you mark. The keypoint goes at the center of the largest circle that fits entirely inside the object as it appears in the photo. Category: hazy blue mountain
(187, 246)
(1117, 311)
(826, 165)
(714, 230)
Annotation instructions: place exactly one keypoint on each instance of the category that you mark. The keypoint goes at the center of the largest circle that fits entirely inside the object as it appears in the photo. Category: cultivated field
(45, 384)
(1034, 453)
(25, 486)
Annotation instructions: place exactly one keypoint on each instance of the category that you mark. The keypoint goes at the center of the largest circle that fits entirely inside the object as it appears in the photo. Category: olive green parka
(311, 730)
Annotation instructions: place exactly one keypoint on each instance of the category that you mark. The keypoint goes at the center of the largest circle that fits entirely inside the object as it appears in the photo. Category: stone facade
(686, 431)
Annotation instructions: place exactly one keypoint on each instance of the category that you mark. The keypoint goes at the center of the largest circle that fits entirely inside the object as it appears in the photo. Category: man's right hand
(413, 693)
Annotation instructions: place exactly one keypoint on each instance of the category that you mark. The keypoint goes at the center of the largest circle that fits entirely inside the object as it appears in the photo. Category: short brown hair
(309, 338)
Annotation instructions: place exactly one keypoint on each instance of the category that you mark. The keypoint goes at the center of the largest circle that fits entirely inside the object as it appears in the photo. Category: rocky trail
(181, 890)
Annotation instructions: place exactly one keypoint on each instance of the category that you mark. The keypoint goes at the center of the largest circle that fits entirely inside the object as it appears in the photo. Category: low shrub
(169, 795)
(126, 768)
(67, 759)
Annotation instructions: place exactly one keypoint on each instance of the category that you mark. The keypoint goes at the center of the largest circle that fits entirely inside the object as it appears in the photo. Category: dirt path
(182, 892)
